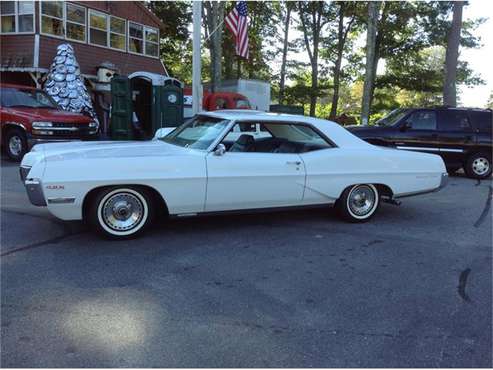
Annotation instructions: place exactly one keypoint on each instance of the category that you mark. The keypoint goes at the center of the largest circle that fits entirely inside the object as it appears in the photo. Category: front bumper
(35, 194)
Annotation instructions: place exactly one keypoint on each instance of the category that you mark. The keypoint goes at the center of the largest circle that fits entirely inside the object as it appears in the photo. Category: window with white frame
(75, 22)
(143, 39)
(52, 18)
(151, 41)
(98, 28)
(17, 16)
(118, 33)
(135, 38)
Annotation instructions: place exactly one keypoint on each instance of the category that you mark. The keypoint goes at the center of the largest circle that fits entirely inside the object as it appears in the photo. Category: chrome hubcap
(361, 200)
(15, 145)
(480, 166)
(123, 211)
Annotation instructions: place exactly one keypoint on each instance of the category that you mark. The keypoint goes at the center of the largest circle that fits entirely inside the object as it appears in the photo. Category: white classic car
(224, 161)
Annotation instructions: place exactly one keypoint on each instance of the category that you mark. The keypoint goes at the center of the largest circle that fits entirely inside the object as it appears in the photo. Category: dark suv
(461, 136)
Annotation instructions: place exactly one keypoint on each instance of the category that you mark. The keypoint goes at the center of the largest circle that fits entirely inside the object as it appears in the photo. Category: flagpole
(196, 67)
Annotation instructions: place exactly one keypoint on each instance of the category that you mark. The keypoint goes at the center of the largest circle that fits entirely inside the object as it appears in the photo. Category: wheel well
(157, 198)
(9, 126)
(383, 189)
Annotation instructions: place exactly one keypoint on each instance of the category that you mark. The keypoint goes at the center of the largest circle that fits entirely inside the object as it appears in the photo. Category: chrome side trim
(35, 193)
(60, 200)
(418, 148)
(430, 149)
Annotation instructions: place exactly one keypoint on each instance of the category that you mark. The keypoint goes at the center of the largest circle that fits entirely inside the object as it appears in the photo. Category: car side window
(454, 120)
(274, 137)
(422, 120)
(482, 120)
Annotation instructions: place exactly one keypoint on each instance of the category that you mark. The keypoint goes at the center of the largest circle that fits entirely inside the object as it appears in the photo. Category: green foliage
(490, 101)
(176, 43)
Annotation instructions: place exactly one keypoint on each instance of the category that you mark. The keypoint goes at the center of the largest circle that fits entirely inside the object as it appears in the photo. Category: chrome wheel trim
(362, 201)
(15, 145)
(122, 212)
(480, 166)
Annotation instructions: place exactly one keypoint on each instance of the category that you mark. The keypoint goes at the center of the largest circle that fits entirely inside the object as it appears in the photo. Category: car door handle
(297, 163)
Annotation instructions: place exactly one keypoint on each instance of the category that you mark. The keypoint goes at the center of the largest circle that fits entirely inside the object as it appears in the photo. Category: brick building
(123, 33)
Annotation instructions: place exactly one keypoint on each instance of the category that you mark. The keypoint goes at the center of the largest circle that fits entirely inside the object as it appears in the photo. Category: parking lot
(411, 288)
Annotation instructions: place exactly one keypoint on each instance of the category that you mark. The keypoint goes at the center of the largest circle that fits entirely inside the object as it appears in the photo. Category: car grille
(70, 130)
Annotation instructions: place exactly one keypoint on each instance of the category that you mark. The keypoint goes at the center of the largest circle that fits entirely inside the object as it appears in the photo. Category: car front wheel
(479, 166)
(15, 144)
(121, 213)
(358, 203)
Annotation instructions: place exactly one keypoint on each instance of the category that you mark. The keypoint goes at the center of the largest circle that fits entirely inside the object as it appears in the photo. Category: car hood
(103, 149)
(45, 114)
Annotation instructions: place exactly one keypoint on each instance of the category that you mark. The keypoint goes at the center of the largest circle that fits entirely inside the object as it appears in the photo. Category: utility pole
(196, 67)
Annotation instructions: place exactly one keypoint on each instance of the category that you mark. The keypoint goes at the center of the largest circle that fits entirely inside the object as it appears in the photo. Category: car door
(249, 180)
(455, 135)
(418, 131)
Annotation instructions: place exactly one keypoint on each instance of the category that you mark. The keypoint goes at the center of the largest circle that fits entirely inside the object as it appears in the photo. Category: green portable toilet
(153, 100)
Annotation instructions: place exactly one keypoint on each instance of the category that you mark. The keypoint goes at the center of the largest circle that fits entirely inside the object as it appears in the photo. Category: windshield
(242, 104)
(29, 98)
(198, 133)
(393, 117)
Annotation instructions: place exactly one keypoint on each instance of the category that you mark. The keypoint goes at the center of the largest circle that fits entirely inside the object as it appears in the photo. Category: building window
(75, 23)
(98, 28)
(17, 16)
(135, 38)
(52, 18)
(143, 40)
(151, 42)
(118, 34)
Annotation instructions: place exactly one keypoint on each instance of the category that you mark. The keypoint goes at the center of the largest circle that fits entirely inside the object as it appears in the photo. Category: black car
(461, 136)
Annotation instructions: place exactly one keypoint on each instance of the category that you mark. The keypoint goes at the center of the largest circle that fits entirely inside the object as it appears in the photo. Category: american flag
(236, 21)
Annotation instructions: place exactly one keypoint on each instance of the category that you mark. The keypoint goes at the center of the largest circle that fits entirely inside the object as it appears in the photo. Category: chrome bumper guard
(35, 193)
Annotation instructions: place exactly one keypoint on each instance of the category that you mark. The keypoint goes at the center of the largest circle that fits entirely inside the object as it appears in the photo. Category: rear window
(482, 120)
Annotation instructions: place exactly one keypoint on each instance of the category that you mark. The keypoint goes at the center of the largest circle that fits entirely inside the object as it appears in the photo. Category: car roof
(335, 132)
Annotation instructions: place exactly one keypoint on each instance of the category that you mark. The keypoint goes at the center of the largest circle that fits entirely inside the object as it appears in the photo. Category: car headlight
(42, 124)
(93, 124)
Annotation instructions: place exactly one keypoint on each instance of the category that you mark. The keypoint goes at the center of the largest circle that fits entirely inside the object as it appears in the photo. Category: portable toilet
(144, 102)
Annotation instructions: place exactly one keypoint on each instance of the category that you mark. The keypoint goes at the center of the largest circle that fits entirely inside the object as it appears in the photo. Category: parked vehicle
(461, 136)
(29, 116)
(205, 167)
(215, 101)
(257, 92)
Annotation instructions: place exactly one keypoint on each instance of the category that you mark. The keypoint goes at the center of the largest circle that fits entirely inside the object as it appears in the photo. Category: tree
(452, 55)
(490, 101)
(313, 17)
(213, 18)
(346, 9)
(176, 46)
(371, 60)
(287, 19)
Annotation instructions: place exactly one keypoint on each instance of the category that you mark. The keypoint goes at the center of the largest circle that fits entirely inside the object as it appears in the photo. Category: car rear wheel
(121, 213)
(358, 203)
(15, 144)
(479, 166)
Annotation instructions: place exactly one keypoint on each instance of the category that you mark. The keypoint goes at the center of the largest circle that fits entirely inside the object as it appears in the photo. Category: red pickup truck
(29, 116)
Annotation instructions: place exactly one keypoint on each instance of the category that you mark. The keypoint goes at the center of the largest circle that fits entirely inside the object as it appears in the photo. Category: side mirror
(220, 150)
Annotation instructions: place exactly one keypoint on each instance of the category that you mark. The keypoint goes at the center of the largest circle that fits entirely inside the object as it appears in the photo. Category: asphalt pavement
(411, 288)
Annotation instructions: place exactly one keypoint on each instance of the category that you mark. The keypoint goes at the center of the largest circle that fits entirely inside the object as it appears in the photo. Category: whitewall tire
(120, 213)
(358, 203)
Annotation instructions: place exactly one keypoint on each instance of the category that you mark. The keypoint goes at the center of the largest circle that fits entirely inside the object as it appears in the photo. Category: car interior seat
(243, 144)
